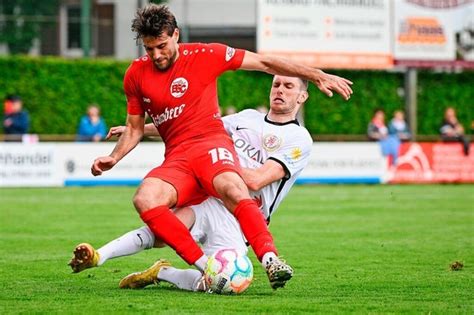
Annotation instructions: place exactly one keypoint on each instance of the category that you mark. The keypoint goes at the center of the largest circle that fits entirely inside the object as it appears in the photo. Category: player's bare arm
(149, 131)
(269, 172)
(325, 82)
(130, 138)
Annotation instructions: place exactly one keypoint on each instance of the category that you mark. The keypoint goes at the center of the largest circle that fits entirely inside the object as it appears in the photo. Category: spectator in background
(262, 109)
(7, 104)
(230, 110)
(452, 130)
(399, 127)
(16, 121)
(91, 126)
(378, 131)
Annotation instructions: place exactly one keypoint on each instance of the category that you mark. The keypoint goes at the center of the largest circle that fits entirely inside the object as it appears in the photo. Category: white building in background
(227, 21)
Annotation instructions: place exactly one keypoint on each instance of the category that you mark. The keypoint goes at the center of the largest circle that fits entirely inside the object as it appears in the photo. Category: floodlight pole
(411, 86)
(86, 27)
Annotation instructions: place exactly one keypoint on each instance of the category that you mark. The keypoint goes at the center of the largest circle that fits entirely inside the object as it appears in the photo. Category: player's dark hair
(153, 20)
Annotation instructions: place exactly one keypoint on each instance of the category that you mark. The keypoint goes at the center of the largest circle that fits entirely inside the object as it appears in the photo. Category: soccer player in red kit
(175, 84)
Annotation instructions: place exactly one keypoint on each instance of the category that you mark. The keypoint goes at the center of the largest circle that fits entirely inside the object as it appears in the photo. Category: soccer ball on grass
(228, 272)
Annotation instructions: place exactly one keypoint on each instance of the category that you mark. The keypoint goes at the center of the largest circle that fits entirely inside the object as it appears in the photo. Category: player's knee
(141, 202)
(144, 201)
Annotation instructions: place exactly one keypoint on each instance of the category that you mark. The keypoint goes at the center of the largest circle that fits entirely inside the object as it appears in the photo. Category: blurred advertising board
(68, 164)
(356, 162)
(434, 163)
(327, 34)
(28, 165)
(434, 33)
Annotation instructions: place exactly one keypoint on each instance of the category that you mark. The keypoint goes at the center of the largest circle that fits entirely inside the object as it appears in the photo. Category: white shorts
(216, 228)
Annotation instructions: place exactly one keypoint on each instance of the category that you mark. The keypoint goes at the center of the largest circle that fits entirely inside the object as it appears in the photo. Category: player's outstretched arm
(325, 82)
(149, 131)
(130, 138)
(256, 179)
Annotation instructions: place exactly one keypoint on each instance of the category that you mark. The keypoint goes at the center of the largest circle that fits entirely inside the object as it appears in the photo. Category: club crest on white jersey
(271, 142)
(178, 87)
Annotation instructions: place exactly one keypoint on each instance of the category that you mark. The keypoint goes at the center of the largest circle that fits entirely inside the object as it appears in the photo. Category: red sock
(255, 229)
(165, 225)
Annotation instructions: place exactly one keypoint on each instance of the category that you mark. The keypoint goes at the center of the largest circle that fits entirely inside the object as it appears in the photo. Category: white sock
(185, 279)
(268, 258)
(201, 263)
(127, 244)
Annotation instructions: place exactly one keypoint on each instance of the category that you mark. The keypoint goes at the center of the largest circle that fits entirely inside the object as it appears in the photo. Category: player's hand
(328, 83)
(102, 164)
(115, 131)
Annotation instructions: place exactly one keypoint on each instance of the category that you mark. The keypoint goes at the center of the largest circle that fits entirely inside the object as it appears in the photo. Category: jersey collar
(294, 121)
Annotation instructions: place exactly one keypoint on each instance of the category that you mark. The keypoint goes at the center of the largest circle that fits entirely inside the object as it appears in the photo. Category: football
(228, 272)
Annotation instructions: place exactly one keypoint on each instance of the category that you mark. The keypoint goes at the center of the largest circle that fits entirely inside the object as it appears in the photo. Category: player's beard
(164, 66)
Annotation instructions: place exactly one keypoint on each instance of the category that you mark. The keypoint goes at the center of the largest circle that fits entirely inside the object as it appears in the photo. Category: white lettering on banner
(167, 114)
(28, 165)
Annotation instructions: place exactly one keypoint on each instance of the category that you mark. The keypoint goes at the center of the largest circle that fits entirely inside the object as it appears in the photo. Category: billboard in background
(433, 163)
(357, 162)
(28, 165)
(68, 164)
(434, 32)
(327, 34)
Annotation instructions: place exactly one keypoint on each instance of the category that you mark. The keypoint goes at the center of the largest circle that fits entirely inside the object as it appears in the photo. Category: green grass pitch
(354, 249)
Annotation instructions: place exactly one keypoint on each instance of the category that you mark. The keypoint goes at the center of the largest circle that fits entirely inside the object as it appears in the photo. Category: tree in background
(20, 22)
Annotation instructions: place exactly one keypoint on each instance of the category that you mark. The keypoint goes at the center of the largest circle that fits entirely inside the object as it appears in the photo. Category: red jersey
(181, 101)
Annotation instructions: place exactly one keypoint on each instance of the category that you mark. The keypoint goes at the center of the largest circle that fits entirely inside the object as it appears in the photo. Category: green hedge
(56, 92)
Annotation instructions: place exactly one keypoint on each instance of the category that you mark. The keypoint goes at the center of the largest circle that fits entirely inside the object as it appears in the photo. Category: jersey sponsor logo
(271, 142)
(249, 150)
(178, 87)
(230, 52)
(168, 114)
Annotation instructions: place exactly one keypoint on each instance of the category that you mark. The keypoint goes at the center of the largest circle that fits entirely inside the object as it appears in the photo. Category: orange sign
(417, 30)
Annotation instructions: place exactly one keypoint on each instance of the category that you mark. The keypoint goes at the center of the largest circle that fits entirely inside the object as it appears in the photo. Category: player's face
(286, 95)
(163, 50)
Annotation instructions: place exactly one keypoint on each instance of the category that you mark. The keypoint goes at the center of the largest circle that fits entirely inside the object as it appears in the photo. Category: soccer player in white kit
(273, 149)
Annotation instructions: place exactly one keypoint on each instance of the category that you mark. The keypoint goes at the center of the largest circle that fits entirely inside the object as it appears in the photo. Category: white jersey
(257, 139)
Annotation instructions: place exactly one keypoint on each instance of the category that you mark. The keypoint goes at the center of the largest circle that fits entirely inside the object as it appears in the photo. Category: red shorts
(192, 166)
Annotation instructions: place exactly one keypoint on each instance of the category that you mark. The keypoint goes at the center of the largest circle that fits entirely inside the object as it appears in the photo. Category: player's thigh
(212, 157)
(177, 173)
(215, 228)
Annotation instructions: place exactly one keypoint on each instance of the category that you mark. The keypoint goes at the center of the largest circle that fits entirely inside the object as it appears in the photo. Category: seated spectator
(399, 127)
(91, 126)
(16, 121)
(7, 104)
(452, 130)
(262, 109)
(378, 131)
(229, 110)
